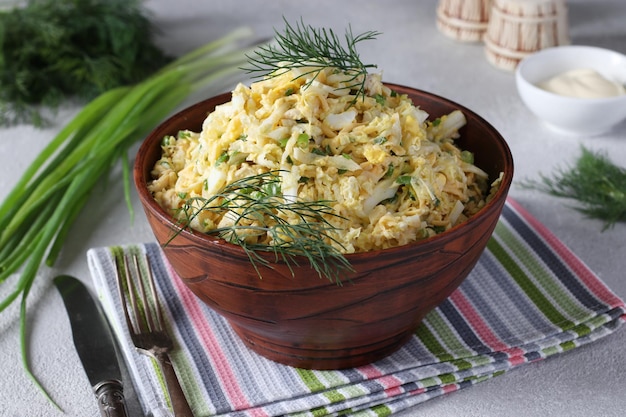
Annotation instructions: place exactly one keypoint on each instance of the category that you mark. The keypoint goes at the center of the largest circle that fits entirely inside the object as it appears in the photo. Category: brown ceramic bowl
(307, 321)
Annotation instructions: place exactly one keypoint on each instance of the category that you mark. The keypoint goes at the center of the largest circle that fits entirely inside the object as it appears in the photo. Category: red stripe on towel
(482, 329)
(209, 341)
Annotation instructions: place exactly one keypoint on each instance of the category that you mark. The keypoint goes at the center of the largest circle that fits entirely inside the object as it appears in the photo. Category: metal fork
(146, 325)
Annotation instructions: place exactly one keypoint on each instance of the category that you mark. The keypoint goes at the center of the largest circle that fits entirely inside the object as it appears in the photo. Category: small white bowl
(571, 115)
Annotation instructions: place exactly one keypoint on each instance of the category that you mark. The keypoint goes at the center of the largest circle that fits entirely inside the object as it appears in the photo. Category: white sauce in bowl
(582, 83)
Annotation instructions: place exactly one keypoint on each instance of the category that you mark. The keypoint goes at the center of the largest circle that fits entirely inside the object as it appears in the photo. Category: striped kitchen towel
(527, 298)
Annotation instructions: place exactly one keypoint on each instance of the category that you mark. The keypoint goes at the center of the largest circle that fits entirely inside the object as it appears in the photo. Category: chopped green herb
(271, 189)
(303, 141)
(439, 229)
(467, 157)
(404, 179)
(222, 158)
(380, 140)
(167, 140)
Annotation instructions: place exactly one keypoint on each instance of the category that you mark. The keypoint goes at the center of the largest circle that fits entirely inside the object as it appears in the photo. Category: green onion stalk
(39, 211)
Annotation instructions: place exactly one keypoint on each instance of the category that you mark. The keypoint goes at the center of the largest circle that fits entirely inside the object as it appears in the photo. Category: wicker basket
(463, 20)
(518, 28)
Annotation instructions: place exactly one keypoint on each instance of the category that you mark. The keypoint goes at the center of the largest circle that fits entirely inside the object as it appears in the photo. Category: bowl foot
(321, 358)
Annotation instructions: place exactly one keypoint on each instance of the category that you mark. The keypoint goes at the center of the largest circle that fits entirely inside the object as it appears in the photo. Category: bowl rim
(494, 204)
(531, 59)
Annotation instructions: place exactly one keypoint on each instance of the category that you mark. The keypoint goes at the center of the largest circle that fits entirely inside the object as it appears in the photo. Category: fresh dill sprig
(254, 205)
(52, 51)
(303, 46)
(596, 183)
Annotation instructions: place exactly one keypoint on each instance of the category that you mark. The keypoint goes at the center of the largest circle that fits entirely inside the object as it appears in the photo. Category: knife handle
(110, 396)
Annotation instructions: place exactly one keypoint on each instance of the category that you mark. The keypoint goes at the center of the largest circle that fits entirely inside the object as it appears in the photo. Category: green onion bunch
(38, 212)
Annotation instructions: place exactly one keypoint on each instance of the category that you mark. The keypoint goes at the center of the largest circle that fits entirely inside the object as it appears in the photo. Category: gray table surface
(588, 381)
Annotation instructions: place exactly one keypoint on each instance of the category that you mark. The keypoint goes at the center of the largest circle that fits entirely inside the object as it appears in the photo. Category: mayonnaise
(582, 83)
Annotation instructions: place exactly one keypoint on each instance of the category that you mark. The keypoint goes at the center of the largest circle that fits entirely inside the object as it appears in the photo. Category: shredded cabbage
(393, 176)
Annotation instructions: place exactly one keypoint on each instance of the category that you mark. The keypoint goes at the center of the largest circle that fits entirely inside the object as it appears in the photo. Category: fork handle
(180, 406)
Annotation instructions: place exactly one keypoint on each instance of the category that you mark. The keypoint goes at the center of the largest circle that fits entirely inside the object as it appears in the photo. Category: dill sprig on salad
(256, 206)
(313, 49)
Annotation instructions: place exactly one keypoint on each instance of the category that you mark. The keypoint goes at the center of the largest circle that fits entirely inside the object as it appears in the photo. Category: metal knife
(95, 345)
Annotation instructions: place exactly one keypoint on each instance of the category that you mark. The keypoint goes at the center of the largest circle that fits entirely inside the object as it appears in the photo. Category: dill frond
(303, 46)
(53, 51)
(594, 182)
(259, 210)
